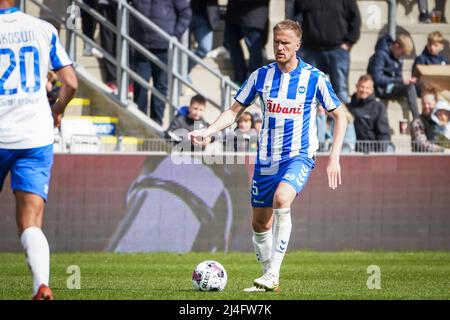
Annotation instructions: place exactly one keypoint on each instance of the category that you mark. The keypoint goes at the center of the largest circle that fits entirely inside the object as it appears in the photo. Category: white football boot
(254, 289)
(268, 282)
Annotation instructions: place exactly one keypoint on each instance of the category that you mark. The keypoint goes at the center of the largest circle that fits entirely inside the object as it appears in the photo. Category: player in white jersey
(29, 47)
(290, 91)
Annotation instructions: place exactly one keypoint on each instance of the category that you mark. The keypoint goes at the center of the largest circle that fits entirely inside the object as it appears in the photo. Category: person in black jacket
(108, 9)
(371, 122)
(424, 14)
(88, 25)
(174, 17)
(246, 19)
(205, 17)
(385, 67)
(331, 28)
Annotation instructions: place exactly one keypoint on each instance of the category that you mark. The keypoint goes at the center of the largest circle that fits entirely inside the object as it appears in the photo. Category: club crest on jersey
(301, 89)
(278, 108)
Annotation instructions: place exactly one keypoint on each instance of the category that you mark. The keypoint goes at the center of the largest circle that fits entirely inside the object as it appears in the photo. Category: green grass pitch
(305, 275)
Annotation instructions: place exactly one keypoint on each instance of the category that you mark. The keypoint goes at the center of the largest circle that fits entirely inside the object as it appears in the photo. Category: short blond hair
(365, 77)
(405, 42)
(435, 37)
(289, 25)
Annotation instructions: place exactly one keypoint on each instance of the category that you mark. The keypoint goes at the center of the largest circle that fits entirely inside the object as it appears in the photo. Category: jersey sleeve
(246, 95)
(58, 55)
(325, 94)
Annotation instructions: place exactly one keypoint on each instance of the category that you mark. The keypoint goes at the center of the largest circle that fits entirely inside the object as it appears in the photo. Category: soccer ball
(209, 275)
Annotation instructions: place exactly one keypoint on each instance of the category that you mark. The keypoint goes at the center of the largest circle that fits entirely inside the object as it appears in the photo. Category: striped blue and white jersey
(289, 104)
(29, 47)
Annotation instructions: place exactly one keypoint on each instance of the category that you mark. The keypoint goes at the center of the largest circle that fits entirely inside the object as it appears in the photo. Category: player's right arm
(69, 86)
(245, 96)
(61, 64)
(226, 119)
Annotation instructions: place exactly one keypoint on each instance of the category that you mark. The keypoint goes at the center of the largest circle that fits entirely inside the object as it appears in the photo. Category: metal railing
(392, 18)
(178, 55)
(108, 144)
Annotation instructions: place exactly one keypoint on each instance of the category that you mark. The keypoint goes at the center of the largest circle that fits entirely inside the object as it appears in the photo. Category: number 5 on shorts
(254, 188)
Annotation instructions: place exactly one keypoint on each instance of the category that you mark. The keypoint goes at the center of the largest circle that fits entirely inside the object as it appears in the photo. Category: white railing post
(70, 34)
(392, 13)
(122, 51)
(184, 61)
(171, 66)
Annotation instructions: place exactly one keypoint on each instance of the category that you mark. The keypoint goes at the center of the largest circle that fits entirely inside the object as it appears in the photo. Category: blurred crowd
(330, 29)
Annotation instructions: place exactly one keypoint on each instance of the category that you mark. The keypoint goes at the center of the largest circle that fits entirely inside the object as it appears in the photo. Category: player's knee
(281, 200)
(261, 225)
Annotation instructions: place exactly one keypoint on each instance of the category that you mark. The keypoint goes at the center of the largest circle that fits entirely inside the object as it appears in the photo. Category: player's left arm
(334, 167)
(69, 86)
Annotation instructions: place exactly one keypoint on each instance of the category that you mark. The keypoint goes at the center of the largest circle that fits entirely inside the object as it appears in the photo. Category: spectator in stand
(349, 144)
(385, 67)
(193, 120)
(330, 29)
(244, 138)
(174, 17)
(423, 128)
(424, 14)
(258, 122)
(108, 9)
(60, 9)
(88, 25)
(432, 53)
(371, 122)
(441, 116)
(205, 17)
(248, 20)
(323, 132)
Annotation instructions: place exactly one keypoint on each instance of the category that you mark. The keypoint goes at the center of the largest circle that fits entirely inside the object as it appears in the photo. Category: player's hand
(198, 137)
(345, 46)
(334, 173)
(206, 141)
(57, 115)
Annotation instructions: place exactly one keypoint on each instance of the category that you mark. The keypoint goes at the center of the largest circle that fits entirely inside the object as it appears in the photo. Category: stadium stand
(374, 16)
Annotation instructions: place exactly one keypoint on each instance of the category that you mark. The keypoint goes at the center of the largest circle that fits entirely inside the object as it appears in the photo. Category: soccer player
(290, 91)
(28, 48)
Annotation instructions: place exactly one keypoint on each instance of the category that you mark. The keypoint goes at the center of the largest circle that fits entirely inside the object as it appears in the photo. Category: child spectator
(258, 122)
(385, 67)
(244, 138)
(192, 120)
(431, 54)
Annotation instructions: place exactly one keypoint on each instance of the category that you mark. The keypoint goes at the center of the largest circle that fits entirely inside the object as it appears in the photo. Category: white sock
(38, 255)
(282, 227)
(262, 242)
